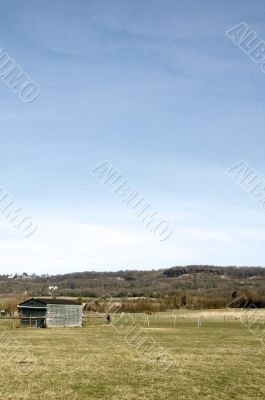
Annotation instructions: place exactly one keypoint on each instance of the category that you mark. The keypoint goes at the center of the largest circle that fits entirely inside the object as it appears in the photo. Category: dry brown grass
(221, 360)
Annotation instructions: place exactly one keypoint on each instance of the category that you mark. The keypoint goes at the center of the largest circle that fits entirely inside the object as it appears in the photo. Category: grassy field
(219, 360)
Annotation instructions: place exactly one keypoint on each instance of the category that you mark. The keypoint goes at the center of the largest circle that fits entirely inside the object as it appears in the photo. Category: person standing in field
(108, 319)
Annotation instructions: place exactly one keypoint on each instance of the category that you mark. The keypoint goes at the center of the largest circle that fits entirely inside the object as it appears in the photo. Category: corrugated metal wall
(64, 315)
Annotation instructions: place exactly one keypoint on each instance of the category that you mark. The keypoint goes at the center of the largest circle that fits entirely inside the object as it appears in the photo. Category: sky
(158, 90)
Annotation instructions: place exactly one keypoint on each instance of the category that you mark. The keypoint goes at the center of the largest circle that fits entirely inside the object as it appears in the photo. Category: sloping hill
(192, 278)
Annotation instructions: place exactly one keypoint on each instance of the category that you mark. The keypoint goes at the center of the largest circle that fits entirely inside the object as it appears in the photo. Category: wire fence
(156, 320)
(182, 317)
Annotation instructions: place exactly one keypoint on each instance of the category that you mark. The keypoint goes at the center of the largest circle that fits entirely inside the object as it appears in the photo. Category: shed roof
(51, 301)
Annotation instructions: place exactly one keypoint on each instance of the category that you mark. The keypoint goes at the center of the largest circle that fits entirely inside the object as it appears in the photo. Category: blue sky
(159, 90)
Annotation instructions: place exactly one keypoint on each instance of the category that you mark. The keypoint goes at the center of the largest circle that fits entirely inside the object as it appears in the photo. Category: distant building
(42, 312)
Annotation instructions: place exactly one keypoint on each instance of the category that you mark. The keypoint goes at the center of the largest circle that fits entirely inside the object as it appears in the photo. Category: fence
(178, 318)
(33, 322)
(15, 322)
(157, 320)
(94, 320)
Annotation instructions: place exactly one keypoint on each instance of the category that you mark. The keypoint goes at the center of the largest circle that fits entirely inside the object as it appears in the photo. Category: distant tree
(183, 300)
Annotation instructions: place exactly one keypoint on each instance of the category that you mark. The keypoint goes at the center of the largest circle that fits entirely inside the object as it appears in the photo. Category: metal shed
(42, 312)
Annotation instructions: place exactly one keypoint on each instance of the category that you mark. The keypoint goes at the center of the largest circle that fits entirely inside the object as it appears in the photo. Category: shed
(50, 312)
